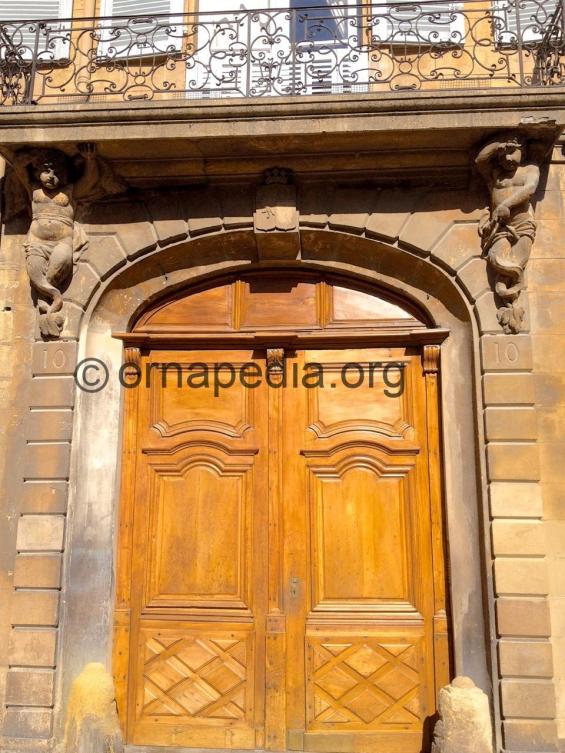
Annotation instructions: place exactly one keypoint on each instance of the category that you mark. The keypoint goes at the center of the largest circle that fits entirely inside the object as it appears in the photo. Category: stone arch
(120, 277)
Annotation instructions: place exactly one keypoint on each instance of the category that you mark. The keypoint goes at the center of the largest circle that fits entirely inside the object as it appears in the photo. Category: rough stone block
(28, 723)
(513, 462)
(459, 245)
(54, 358)
(33, 648)
(52, 425)
(511, 423)
(525, 658)
(40, 533)
(83, 285)
(47, 461)
(44, 496)
(523, 617)
(530, 699)
(464, 724)
(508, 389)
(530, 735)
(105, 255)
(473, 278)
(526, 576)
(518, 537)
(391, 213)
(29, 687)
(35, 608)
(37, 571)
(52, 392)
(516, 499)
(351, 209)
(506, 352)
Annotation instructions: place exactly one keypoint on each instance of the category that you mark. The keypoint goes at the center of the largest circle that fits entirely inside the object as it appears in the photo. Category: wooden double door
(281, 570)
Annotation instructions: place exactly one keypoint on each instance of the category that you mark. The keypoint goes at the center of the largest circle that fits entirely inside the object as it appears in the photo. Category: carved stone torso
(505, 184)
(52, 214)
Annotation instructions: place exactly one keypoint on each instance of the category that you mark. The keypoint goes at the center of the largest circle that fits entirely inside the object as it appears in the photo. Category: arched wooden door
(281, 572)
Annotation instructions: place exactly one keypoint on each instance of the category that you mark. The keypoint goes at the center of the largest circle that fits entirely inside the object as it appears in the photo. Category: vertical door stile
(275, 691)
(431, 359)
(122, 610)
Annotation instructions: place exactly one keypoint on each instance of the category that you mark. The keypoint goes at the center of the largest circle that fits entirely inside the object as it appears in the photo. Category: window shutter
(50, 40)
(528, 19)
(413, 23)
(148, 27)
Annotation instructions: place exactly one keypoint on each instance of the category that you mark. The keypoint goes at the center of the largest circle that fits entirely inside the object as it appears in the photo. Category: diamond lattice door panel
(281, 575)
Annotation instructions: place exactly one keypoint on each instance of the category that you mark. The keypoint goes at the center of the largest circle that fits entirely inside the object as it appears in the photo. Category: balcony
(302, 51)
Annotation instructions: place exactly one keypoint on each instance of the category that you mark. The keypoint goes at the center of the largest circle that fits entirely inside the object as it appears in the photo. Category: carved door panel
(359, 570)
(198, 600)
(286, 559)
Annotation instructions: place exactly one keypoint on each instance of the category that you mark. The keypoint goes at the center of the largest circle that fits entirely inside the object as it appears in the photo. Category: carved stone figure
(55, 240)
(464, 724)
(510, 167)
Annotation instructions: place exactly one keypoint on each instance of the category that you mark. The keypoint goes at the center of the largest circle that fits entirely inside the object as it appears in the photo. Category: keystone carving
(55, 185)
(510, 166)
(464, 724)
(276, 217)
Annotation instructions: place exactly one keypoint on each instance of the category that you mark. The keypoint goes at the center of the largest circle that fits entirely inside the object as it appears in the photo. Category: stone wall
(418, 239)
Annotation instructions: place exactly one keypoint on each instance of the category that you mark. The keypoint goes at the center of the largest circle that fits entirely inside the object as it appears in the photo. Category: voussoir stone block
(105, 255)
(473, 278)
(37, 571)
(44, 496)
(509, 389)
(40, 533)
(530, 699)
(133, 225)
(351, 209)
(391, 213)
(236, 206)
(47, 461)
(523, 617)
(520, 575)
(27, 723)
(167, 210)
(525, 658)
(54, 358)
(313, 202)
(486, 311)
(516, 499)
(83, 285)
(29, 687)
(33, 648)
(460, 244)
(464, 724)
(35, 608)
(423, 232)
(204, 212)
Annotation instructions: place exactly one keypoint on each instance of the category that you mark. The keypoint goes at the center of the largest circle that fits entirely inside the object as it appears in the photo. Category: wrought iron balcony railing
(285, 51)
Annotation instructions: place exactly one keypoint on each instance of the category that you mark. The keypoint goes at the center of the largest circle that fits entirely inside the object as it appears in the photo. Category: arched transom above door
(280, 300)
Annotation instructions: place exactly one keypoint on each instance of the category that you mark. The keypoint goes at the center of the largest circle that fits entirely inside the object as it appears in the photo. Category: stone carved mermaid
(508, 229)
(55, 239)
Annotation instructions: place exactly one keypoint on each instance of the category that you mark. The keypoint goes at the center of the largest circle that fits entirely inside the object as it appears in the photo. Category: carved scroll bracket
(276, 217)
(509, 164)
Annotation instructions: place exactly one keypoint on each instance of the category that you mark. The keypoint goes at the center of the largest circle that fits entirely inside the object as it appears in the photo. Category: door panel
(284, 569)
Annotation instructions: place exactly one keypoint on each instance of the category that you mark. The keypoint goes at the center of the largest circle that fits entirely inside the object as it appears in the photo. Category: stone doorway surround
(423, 246)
